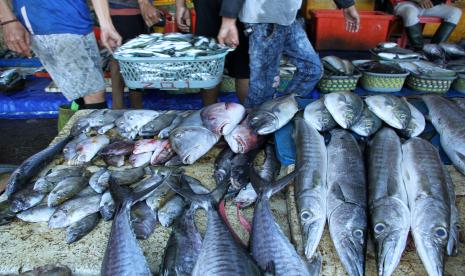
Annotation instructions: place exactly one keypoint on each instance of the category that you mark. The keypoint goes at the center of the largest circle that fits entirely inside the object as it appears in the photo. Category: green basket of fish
(459, 83)
(429, 84)
(380, 77)
(171, 61)
(331, 83)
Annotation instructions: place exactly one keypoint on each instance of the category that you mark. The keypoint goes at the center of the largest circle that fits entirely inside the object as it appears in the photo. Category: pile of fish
(170, 45)
(379, 67)
(391, 51)
(335, 66)
(443, 53)
(364, 117)
(426, 69)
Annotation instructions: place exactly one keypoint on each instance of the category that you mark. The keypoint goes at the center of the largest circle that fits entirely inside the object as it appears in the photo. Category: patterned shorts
(73, 62)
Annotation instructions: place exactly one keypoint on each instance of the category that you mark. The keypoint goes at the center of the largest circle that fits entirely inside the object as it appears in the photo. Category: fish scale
(220, 253)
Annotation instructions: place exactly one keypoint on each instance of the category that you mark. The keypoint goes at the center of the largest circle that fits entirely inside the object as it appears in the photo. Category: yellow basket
(169, 2)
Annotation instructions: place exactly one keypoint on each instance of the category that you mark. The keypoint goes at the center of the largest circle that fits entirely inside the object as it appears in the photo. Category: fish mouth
(389, 252)
(431, 255)
(352, 257)
(312, 233)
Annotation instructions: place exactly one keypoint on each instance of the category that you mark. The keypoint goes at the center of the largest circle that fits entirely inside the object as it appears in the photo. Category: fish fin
(260, 184)
(270, 269)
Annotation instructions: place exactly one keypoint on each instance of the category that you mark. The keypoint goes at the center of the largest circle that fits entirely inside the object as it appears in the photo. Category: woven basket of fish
(171, 61)
(339, 75)
(459, 83)
(381, 77)
(429, 84)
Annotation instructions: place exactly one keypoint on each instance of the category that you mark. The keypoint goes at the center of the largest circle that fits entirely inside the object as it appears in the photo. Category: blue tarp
(20, 62)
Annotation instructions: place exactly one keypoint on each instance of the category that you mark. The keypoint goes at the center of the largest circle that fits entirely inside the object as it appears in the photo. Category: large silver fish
(39, 213)
(136, 119)
(391, 109)
(417, 123)
(452, 49)
(155, 126)
(127, 176)
(345, 107)
(60, 172)
(88, 148)
(429, 202)
(191, 143)
(66, 189)
(79, 229)
(273, 115)
(448, 120)
(25, 199)
(165, 133)
(387, 200)
(318, 116)
(123, 255)
(347, 201)
(367, 124)
(32, 166)
(310, 185)
(99, 180)
(222, 118)
(74, 210)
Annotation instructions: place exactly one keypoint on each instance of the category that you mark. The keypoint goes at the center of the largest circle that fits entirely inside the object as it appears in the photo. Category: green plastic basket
(432, 85)
(377, 82)
(459, 83)
(329, 84)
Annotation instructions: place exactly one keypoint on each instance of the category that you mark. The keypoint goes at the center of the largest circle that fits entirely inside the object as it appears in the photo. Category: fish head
(390, 227)
(239, 171)
(263, 122)
(222, 118)
(313, 222)
(402, 116)
(344, 107)
(246, 196)
(430, 228)
(58, 219)
(80, 126)
(348, 229)
(191, 143)
(243, 139)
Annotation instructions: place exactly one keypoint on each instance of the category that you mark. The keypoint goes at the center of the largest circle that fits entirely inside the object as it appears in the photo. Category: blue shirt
(45, 17)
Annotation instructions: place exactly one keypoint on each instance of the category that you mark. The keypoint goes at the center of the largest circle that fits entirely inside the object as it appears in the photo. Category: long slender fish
(32, 166)
(123, 255)
(387, 200)
(347, 201)
(220, 253)
(448, 119)
(310, 185)
(429, 202)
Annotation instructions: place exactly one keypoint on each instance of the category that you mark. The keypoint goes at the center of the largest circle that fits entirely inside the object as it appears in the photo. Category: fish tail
(267, 189)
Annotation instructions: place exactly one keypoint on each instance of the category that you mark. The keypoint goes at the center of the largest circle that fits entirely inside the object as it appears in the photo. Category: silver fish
(417, 123)
(25, 199)
(140, 160)
(43, 186)
(87, 191)
(136, 119)
(191, 143)
(162, 152)
(192, 119)
(121, 147)
(334, 64)
(107, 206)
(318, 116)
(165, 133)
(79, 229)
(39, 213)
(453, 241)
(391, 109)
(429, 202)
(114, 160)
(145, 145)
(310, 185)
(127, 176)
(222, 118)
(243, 138)
(171, 211)
(74, 210)
(66, 189)
(246, 196)
(345, 107)
(143, 220)
(88, 148)
(69, 151)
(99, 180)
(60, 172)
(32, 166)
(346, 201)
(367, 124)
(155, 126)
(460, 102)
(387, 200)
(273, 114)
(452, 49)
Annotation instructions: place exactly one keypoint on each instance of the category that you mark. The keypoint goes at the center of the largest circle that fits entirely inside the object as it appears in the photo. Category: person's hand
(17, 38)
(150, 14)
(183, 18)
(425, 4)
(110, 38)
(352, 19)
(228, 34)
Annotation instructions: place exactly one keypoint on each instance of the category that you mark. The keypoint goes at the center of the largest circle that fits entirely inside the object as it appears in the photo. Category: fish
(387, 45)
(191, 143)
(246, 196)
(127, 176)
(310, 184)
(74, 210)
(409, 66)
(174, 161)
(33, 165)
(55, 270)
(220, 253)
(243, 138)
(41, 185)
(334, 65)
(447, 118)
(271, 164)
(99, 180)
(347, 201)
(318, 116)
(387, 200)
(348, 67)
(79, 229)
(87, 191)
(367, 124)
(183, 247)
(59, 172)
(156, 125)
(114, 160)
(460, 102)
(39, 213)
(107, 206)
(239, 174)
(143, 220)
(66, 189)
(25, 199)
(434, 52)
(452, 248)
(192, 119)
(381, 68)
(417, 122)
(273, 114)
(345, 107)
(163, 152)
(84, 124)
(136, 119)
(391, 109)
(222, 166)
(222, 118)
(429, 202)
(140, 160)
(269, 245)
(121, 147)
(6, 214)
(165, 133)
(123, 256)
(88, 148)
(145, 145)
(171, 211)
(452, 49)
(394, 56)
(429, 69)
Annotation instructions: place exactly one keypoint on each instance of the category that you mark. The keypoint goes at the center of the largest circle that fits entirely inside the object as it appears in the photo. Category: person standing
(274, 29)
(130, 18)
(60, 34)
(209, 14)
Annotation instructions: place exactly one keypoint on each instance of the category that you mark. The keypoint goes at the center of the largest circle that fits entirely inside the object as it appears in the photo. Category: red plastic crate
(327, 30)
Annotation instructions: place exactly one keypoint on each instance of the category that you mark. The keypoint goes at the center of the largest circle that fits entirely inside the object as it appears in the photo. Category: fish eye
(358, 233)
(440, 232)
(379, 228)
(306, 215)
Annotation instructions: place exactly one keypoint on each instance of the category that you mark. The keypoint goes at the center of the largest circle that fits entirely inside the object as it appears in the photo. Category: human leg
(242, 88)
(450, 15)
(210, 96)
(117, 85)
(409, 13)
